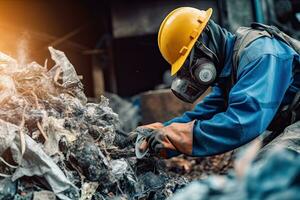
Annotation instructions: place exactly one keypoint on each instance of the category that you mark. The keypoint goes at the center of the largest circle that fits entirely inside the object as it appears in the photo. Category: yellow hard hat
(178, 33)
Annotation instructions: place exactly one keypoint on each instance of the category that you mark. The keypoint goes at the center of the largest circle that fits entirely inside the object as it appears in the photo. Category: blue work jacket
(265, 81)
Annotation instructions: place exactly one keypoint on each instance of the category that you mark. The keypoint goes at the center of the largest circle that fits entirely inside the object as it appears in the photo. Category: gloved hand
(141, 129)
(177, 137)
(125, 139)
(155, 142)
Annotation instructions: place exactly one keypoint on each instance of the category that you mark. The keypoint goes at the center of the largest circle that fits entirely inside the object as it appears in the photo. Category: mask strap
(191, 57)
(207, 51)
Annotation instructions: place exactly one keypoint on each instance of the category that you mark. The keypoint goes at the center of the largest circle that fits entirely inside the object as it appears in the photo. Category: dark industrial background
(113, 44)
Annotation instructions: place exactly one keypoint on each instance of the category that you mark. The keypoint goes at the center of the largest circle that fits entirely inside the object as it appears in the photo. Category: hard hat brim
(179, 62)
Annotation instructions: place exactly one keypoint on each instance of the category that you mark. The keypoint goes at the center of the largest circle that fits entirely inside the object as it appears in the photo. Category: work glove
(124, 139)
(156, 143)
(145, 128)
(170, 140)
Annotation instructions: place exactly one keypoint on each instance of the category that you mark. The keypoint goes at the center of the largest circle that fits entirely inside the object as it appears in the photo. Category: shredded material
(53, 142)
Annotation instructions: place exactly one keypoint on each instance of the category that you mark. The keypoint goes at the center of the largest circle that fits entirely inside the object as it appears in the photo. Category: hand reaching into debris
(164, 141)
(139, 136)
(156, 142)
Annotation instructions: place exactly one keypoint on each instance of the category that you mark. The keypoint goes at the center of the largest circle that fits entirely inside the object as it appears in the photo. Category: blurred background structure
(113, 43)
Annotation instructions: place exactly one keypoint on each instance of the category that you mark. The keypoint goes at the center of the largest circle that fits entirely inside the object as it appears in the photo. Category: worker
(253, 75)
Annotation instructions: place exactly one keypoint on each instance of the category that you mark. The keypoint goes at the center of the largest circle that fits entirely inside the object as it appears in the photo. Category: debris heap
(53, 144)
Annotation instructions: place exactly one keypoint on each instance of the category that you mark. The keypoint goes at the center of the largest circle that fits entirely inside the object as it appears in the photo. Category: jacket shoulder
(264, 46)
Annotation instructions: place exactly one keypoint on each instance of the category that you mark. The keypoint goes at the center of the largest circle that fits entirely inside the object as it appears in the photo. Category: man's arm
(253, 102)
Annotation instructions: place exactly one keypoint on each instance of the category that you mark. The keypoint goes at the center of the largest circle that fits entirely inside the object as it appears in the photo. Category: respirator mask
(197, 73)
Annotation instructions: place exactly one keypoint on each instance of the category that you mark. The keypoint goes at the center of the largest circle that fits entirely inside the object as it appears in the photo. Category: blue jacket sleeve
(211, 104)
(253, 102)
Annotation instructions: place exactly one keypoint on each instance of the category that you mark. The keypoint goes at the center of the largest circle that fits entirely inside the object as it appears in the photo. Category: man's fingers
(153, 140)
(158, 148)
(144, 146)
(153, 143)
(156, 142)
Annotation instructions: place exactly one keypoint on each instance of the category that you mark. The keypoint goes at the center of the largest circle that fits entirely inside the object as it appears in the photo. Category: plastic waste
(54, 143)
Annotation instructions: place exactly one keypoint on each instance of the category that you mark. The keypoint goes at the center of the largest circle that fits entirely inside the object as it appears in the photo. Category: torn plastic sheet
(35, 162)
(69, 75)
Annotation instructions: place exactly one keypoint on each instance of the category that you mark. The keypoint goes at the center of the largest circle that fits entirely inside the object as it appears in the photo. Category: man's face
(194, 77)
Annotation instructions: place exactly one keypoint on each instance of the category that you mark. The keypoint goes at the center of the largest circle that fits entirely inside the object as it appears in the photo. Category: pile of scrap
(53, 144)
